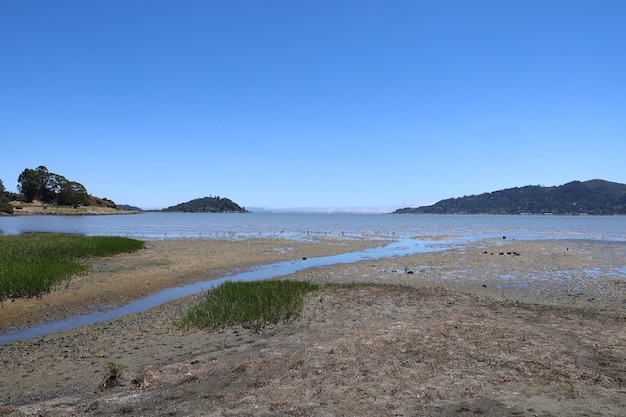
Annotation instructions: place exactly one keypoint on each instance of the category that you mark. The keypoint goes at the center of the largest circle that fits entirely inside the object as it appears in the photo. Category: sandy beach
(499, 327)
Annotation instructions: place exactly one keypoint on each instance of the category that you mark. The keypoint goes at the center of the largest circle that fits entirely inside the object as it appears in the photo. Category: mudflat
(506, 328)
(162, 264)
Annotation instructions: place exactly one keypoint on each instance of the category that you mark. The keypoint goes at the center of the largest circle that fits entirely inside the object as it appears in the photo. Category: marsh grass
(253, 304)
(33, 264)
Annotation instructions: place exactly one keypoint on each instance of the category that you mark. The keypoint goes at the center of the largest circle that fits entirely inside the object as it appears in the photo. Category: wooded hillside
(208, 205)
(594, 197)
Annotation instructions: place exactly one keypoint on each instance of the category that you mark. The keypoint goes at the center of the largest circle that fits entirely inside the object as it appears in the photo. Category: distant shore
(70, 212)
(37, 208)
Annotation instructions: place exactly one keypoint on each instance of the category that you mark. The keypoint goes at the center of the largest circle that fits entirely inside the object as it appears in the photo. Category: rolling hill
(208, 205)
(593, 197)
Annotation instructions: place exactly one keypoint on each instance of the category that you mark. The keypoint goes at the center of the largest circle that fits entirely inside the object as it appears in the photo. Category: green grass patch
(33, 264)
(253, 304)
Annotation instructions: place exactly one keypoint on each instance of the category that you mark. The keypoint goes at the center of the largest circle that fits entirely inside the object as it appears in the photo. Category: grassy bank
(251, 304)
(33, 264)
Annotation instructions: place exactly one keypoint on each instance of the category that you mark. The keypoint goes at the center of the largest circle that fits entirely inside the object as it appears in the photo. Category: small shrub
(113, 375)
(6, 208)
(253, 304)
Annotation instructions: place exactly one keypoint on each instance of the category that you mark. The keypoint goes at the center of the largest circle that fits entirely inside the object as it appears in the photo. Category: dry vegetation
(39, 208)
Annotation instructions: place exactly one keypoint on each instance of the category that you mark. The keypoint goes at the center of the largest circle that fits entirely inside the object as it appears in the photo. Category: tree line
(47, 187)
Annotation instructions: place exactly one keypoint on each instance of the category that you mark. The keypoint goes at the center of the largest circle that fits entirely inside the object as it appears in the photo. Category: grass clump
(33, 264)
(113, 375)
(253, 304)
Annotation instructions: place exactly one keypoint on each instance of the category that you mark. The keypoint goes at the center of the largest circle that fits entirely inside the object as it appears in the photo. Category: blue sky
(291, 103)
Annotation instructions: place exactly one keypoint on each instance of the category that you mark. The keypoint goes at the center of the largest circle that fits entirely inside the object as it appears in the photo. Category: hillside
(593, 197)
(208, 205)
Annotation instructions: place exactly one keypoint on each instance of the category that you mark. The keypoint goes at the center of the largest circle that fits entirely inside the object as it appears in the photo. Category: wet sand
(506, 328)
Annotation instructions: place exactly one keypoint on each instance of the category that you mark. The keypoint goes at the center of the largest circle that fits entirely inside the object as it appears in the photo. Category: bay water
(159, 225)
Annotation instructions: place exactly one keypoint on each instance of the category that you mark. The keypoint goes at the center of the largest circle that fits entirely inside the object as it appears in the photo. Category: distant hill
(208, 205)
(128, 207)
(593, 197)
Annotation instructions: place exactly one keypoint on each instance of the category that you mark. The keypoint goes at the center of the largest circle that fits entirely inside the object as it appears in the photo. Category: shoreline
(447, 339)
(176, 263)
(36, 208)
(68, 212)
(161, 265)
(87, 213)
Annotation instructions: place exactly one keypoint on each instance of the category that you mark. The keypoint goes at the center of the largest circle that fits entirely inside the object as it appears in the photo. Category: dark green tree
(50, 185)
(43, 177)
(72, 194)
(41, 184)
(5, 207)
(28, 184)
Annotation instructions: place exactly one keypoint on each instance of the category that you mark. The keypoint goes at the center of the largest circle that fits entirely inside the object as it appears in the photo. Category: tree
(28, 184)
(53, 184)
(46, 186)
(43, 176)
(5, 207)
(38, 184)
(72, 194)
(50, 185)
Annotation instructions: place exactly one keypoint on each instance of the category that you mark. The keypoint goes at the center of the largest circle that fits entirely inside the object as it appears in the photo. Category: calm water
(155, 226)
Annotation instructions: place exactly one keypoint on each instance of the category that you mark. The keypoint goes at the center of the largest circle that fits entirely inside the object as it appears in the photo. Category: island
(208, 205)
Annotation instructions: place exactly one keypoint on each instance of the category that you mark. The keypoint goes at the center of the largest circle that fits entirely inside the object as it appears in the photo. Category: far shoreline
(69, 213)
(37, 208)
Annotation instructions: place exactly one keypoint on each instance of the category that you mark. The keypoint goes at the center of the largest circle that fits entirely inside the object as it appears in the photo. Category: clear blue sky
(312, 103)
